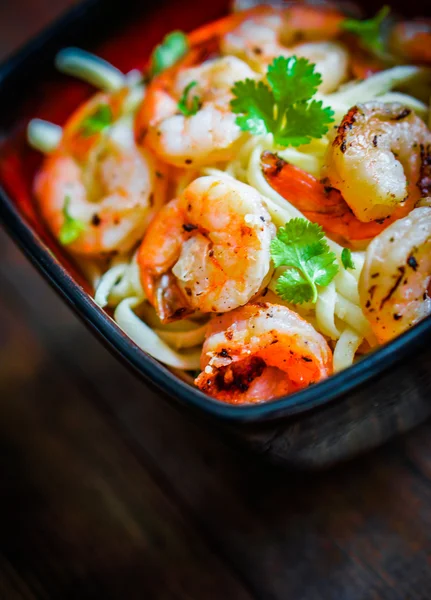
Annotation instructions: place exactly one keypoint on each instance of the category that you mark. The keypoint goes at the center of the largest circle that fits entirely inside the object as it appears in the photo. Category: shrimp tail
(169, 300)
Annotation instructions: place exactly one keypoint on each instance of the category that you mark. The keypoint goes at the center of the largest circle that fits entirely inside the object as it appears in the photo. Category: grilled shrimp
(207, 250)
(100, 179)
(395, 279)
(261, 351)
(321, 203)
(262, 37)
(380, 160)
(411, 40)
(209, 135)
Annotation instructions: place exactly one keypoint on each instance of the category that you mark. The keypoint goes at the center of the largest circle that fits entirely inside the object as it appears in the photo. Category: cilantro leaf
(301, 247)
(71, 228)
(293, 287)
(166, 54)
(293, 79)
(97, 121)
(284, 105)
(189, 111)
(346, 259)
(254, 102)
(299, 239)
(368, 30)
(322, 268)
(304, 122)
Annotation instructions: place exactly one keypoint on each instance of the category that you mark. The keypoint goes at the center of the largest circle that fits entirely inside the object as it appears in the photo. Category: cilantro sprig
(97, 121)
(71, 228)
(283, 106)
(301, 247)
(186, 106)
(369, 31)
(166, 54)
(347, 260)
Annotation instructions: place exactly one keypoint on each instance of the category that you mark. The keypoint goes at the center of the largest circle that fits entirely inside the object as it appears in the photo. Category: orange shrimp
(305, 21)
(209, 135)
(318, 202)
(100, 179)
(260, 38)
(212, 133)
(259, 352)
(395, 279)
(310, 22)
(379, 165)
(380, 160)
(411, 40)
(207, 250)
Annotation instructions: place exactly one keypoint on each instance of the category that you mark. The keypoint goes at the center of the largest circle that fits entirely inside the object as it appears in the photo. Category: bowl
(384, 393)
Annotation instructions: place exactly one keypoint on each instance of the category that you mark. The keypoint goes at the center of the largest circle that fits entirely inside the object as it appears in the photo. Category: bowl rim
(315, 396)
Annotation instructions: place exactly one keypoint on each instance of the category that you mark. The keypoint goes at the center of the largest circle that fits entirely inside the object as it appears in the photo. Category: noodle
(345, 349)
(374, 87)
(90, 68)
(184, 339)
(107, 282)
(120, 281)
(420, 108)
(147, 339)
(325, 311)
(43, 136)
(347, 285)
(352, 314)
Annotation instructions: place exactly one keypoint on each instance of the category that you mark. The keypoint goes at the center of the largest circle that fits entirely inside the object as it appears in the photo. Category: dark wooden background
(107, 492)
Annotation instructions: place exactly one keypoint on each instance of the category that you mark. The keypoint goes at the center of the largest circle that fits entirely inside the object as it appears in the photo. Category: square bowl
(386, 392)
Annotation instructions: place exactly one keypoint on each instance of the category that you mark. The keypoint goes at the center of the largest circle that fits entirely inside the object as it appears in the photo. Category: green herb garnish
(284, 106)
(369, 30)
(97, 121)
(166, 54)
(301, 247)
(71, 228)
(189, 108)
(347, 260)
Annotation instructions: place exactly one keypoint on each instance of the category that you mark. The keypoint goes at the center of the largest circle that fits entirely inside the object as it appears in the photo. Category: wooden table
(107, 492)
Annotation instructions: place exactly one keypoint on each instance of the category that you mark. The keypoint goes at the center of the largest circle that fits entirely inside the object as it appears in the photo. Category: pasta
(180, 182)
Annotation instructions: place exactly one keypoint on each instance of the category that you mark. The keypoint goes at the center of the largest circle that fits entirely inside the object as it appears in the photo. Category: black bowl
(387, 392)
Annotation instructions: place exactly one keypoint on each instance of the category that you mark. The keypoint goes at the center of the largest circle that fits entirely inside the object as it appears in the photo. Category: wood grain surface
(107, 492)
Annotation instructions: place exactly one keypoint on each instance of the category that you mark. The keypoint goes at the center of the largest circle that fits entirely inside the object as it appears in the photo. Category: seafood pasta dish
(254, 208)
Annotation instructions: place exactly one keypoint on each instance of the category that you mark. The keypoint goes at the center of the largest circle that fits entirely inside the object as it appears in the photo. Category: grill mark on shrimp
(424, 183)
(240, 377)
(345, 126)
(406, 112)
(412, 262)
(394, 288)
(189, 227)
